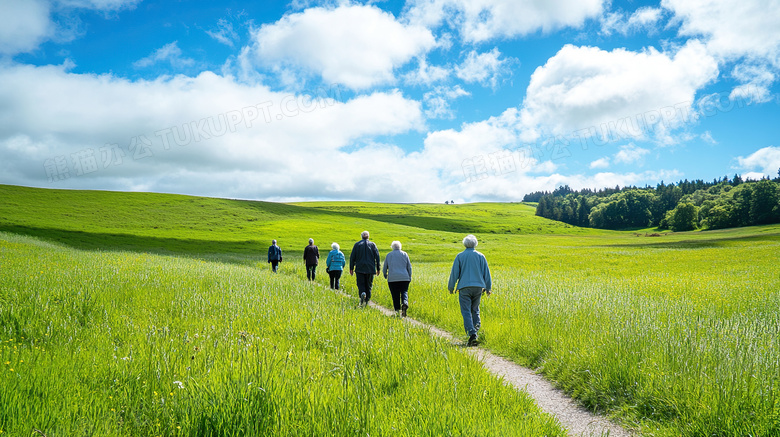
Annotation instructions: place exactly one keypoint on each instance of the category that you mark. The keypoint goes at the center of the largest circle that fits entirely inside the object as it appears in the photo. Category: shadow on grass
(238, 252)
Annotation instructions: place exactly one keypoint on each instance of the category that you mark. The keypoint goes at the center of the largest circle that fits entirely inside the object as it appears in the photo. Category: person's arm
(352, 260)
(376, 259)
(408, 267)
(328, 260)
(487, 278)
(454, 275)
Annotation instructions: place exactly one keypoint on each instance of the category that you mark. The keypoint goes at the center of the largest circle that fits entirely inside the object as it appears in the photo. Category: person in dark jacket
(274, 256)
(398, 271)
(311, 257)
(336, 261)
(364, 264)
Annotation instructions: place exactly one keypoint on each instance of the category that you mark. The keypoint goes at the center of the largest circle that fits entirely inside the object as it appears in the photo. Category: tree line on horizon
(682, 206)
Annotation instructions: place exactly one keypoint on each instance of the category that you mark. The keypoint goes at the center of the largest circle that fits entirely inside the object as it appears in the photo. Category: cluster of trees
(684, 206)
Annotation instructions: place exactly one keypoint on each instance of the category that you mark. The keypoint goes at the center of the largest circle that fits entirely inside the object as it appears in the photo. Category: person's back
(397, 266)
(364, 257)
(470, 269)
(311, 258)
(336, 260)
(311, 255)
(364, 262)
(274, 256)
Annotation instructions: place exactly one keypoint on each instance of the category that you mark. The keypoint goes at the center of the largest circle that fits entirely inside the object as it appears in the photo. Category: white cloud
(426, 74)
(732, 28)
(223, 138)
(438, 100)
(590, 88)
(600, 163)
(482, 20)
(756, 80)
(24, 24)
(707, 137)
(643, 19)
(485, 68)
(764, 161)
(357, 46)
(169, 53)
(753, 176)
(224, 32)
(630, 154)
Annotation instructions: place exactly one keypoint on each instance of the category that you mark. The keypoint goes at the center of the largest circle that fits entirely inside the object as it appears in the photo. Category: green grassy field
(675, 334)
(129, 344)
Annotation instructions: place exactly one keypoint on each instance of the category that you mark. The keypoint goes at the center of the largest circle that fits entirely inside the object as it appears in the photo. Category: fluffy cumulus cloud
(645, 18)
(485, 68)
(600, 163)
(482, 20)
(732, 28)
(588, 91)
(630, 154)
(24, 24)
(204, 135)
(354, 45)
(764, 161)
(438, 100)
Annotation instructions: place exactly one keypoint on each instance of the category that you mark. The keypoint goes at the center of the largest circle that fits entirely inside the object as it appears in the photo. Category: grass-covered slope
(128, 344)
(675, 333)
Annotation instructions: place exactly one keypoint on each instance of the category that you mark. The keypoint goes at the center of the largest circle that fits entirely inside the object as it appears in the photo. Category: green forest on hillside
(722, 203)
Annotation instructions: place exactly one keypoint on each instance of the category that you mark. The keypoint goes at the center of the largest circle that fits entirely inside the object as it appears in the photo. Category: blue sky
(404, 101)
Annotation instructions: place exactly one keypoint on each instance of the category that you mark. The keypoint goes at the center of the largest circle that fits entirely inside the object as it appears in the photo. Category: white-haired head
(273, 241)
(470, 241)
(364, 235)
(311, 240)
(395, 245)
(334, 246)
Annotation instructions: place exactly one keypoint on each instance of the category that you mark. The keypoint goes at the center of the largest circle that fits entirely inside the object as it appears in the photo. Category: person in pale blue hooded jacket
(471, 273)
(335, 262)
(397, 269)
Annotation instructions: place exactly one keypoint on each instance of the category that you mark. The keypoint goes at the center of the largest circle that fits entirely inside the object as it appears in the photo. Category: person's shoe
(362, 299)
(404, 307)
(472, 340)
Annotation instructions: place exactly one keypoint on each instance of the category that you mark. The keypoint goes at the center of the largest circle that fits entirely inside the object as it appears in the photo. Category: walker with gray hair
(397, 269)
(471, 273)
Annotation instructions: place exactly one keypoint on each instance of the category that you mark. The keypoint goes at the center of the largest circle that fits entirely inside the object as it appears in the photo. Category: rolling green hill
(670, 332)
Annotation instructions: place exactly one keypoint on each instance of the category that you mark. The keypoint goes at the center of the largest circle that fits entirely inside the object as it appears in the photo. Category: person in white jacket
(397, 269)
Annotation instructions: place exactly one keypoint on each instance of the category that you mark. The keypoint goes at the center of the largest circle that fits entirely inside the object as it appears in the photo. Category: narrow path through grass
(573, 417)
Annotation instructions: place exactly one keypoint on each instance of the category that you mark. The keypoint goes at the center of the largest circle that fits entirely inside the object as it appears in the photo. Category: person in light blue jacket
(335, 263)
(471, 273)
(397, 269)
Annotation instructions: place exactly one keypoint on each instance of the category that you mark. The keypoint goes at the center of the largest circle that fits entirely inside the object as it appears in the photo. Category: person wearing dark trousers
(335, 263)
(311, 257)
(397, 269)
(364, 264)
(274, 256)
(472, 274)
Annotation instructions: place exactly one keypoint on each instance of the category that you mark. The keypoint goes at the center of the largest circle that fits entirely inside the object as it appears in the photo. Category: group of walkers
(470, 274)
